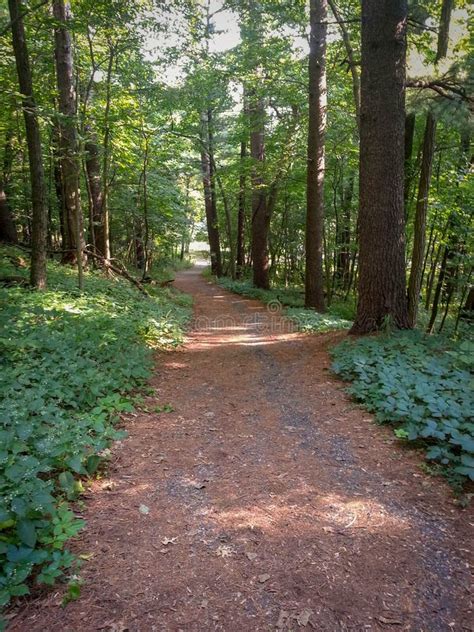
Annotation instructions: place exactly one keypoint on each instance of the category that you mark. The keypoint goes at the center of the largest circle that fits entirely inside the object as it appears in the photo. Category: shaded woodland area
(124, 161)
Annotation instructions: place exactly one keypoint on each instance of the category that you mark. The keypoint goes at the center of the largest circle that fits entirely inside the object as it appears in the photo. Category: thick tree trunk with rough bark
(70, 164)
(33, 139)
(252, 36)
(382, 293)
(416, 271)
(314, 282)
(209, 199)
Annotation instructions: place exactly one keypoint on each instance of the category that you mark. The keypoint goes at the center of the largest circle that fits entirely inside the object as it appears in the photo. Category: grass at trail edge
(69, 362)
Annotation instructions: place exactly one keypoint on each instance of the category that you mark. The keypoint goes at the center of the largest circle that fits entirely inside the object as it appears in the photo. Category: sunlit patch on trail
(240, 340)
(314, 514)
(176, 365)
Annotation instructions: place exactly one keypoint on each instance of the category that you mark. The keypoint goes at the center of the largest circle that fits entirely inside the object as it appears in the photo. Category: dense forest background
(323, 150)
(156, 123)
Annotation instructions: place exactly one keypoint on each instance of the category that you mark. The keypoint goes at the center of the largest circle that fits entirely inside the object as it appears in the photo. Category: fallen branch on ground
(121, 271)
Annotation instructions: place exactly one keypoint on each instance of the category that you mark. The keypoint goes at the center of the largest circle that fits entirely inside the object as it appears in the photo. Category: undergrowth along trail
(70, 362)
(262, 497)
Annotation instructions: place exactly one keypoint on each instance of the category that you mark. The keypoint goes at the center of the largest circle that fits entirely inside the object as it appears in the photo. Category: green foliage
(310, 321)
(68, 362)
(421, 383)
(291, 297)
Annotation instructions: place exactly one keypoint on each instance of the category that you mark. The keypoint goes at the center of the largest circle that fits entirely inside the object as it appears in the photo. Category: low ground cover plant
(69, 363)
(423, 385)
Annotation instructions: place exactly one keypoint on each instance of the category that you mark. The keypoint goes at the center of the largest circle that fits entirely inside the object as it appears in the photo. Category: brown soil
(274, 502)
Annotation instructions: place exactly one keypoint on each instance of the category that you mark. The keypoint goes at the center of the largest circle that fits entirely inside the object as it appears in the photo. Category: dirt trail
(274, 503)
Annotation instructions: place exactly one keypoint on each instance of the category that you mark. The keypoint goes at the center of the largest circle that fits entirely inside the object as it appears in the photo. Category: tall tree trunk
(467, 307)
(70, 164)
(381, 219)
(209, 202)
(252, 36)
(8, 232)
(228, 219)
(146, 223)
(451, 234)
(33, 139)
(241, 212)
(96, 195)
(58, 179)
(439, 287)
(350, 58)
(212, 175)
(416, 270)
(314, 283)
(343, 261)
(443, 32)
(105, 220)
(260, 214)
(410, 121)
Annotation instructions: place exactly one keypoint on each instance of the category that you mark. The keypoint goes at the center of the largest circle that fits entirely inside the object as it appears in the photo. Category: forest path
(265, 501)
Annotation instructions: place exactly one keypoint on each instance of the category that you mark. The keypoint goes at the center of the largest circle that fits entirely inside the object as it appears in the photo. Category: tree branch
(120, 271)
(443, 88)
(4, 30)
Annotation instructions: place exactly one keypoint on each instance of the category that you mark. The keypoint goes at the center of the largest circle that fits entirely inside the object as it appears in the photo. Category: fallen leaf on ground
(224, 550)
(388, 621)
(282, 619)
(114, 626)
(303, 618)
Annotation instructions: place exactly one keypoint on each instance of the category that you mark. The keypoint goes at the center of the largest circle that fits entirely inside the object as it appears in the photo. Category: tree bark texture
(381, 219)
(416, 271)
(241, 213)
(260, 212)
(33, 138)
(314, 282)
(8, 232)
(209, 199)
(96, 195)
(70, 164)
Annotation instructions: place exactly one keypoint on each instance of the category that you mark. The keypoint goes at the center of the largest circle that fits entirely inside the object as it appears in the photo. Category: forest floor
(265, 500)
